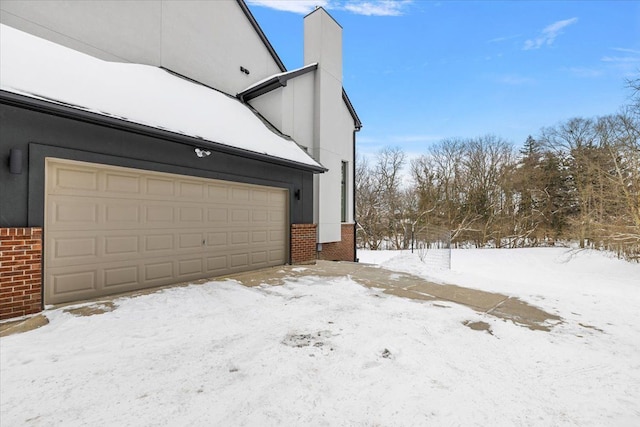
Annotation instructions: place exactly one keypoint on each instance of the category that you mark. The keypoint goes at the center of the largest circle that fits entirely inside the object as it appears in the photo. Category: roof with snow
(135, 93)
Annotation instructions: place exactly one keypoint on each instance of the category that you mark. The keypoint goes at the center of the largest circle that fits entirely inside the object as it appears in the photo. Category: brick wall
(20, 271)
(303, 243)
(342, 250)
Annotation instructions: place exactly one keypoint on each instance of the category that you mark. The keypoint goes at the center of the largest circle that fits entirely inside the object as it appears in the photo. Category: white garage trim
(111, 229)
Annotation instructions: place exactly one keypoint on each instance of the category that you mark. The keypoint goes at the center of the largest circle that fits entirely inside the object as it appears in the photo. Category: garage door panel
(276, 216)
(276, 254)
(218, 193)
(119, 245)
(239, 238)
(239, 260)
(121, 276)
(217, 239)
(240, 216)
(71, 212)
(74, 282)
(217, 215)
(259, 216)
(158, 242)
(122, 183)
(191, 214)
(112, 229)
(159, 215)
(239, 194)
(277, 198)
(79, 247)
(259, 236)
(190, 266)
(191, 240)
(259, 258)
(277, 236)
(119, 215)
(159, 270)
(260, 196)
(191, 190)
(72, 180)
(217, 264)
(160, 187)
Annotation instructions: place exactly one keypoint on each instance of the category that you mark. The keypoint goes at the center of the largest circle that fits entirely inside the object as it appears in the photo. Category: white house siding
(311, 110)
(290, 108)
(333, 125)
(207, 41)
(88, 26)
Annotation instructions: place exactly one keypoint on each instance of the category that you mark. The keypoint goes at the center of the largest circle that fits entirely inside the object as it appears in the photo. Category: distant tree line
(576, 181)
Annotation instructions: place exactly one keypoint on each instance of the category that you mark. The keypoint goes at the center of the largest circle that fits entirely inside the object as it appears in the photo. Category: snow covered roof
(136, 93)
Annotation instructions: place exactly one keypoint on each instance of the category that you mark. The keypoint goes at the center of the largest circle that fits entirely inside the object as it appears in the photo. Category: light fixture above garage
(202, 153)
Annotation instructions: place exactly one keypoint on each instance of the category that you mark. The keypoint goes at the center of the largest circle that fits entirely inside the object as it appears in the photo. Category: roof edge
(274, 82)
(352, 110)
(274, 55)
(261, 34)
(325, 11)
(70, 112)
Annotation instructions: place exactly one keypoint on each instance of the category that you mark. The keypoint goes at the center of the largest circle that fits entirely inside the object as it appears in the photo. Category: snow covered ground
(320, 351)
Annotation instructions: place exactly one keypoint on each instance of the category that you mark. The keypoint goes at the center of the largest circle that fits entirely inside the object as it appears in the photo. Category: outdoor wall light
(297, 194)
(202, 153)
(15, 161)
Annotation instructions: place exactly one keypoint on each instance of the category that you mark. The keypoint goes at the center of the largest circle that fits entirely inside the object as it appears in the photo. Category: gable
(207, 41)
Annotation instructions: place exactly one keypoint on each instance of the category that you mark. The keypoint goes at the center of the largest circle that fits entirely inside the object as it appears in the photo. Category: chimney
(323, 42)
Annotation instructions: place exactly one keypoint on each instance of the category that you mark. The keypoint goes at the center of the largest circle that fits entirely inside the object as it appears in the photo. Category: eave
(70, 112)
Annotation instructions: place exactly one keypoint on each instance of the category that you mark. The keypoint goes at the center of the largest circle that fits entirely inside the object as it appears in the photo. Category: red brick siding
(20, 271)
(303, 243)
(342, 250)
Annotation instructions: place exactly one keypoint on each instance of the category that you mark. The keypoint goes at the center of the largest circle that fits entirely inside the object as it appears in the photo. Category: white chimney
(323, 44)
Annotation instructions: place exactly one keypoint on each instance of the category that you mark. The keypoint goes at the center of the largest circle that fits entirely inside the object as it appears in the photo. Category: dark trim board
(75, 113)
(273, 83)
(40, 135)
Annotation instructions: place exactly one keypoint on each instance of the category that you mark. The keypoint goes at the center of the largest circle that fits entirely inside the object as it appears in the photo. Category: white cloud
(625, 50)
(586, 72)
(359, 7)
(626, 64)
(548, 34)
(620, 59)
(514, 80)
(377, 7)
(296, 6)
(504, 39)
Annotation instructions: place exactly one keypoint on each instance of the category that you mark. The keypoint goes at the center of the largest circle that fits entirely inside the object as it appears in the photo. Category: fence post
(413, 226)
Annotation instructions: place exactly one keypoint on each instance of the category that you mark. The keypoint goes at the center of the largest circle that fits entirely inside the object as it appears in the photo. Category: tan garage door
(111, 229)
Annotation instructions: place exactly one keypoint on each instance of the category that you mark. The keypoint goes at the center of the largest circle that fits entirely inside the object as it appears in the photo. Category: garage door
(111, 229)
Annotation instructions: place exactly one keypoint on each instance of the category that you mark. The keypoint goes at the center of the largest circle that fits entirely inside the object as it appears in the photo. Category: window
(344, 204)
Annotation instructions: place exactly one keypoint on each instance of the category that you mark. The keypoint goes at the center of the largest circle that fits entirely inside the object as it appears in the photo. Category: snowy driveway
(329, 351)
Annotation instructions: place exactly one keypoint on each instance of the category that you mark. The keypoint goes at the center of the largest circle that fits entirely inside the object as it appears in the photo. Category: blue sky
(420, 71)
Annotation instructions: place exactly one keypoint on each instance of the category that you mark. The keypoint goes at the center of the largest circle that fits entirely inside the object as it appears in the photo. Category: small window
(344, 204)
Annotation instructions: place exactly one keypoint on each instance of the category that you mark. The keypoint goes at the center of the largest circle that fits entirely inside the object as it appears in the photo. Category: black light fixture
(15, 161)
(297, 194)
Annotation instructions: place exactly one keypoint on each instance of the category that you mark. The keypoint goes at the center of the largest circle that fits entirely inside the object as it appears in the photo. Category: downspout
(355, 220)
